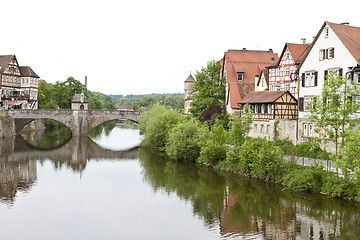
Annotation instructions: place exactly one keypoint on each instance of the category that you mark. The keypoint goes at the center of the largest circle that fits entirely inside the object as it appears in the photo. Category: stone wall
(266, 129)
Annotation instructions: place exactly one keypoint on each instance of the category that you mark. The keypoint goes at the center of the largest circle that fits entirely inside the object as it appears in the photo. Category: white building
(336, 47)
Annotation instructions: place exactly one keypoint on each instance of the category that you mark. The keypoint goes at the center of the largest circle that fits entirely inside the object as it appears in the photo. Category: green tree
(240, 127)
(183, 141)
(332, 111)
(349, 156)
(155, 125)
(209, 89)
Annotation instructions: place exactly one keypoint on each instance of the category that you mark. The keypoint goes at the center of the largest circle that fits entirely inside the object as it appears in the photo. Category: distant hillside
(116, 98)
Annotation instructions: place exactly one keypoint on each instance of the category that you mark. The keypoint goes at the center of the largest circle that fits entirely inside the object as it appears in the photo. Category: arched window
(82, 107)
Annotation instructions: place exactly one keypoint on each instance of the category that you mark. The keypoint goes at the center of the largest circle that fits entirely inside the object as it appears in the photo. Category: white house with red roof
(336, 47)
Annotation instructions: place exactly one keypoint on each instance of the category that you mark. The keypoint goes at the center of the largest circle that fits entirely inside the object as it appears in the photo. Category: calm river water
(106, 189)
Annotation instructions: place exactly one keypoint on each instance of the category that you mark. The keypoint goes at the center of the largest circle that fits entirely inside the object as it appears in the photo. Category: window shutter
(333, 53)
(327, 53)
(323, 52)
(340, 72)
(303, 80)
(325, 74)
(315, 82)
(301, 104)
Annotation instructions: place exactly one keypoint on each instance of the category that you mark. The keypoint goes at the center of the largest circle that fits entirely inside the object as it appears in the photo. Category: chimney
(244, 49)
(270, 50)
(86, 82)
(303, 41)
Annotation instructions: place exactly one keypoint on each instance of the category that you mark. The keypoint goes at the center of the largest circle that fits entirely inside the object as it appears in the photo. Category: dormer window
(326, 33)
(240, 76)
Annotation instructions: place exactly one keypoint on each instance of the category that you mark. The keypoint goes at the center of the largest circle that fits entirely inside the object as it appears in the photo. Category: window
(269, 109)
(356, 103)
(356, 77)
(262, 82)
(326, 33)
(287, 55)
(255, 127)
(287, 86)
(322, 54)
(287, 71)
(273, 72)
(275, 87)
(307, 103)
(262, 128)
(330, 53)
(263, 108)
(310, 130)
(240, 76)
(267, 128)
(310, 79)
(278, 72)
(305, 129)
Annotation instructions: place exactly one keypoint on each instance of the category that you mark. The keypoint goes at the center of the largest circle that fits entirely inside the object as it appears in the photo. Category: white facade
(315, 62)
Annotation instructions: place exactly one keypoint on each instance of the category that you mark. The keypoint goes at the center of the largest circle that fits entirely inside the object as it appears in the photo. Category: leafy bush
(183, 141)
(213, 148)
(257, 158)
(305, 179)
(312, 150)
(155, 125)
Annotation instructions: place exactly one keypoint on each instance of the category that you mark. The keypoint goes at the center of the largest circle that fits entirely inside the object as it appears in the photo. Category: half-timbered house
(282, 75)
(269, 107)
(29, 86)
(18, 85)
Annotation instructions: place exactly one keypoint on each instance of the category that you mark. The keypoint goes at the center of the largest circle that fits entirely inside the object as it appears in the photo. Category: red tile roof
(349, 36)
(249, 62)
(124, 107)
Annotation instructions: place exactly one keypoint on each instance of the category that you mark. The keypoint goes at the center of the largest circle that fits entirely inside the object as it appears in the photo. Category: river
(106, 188)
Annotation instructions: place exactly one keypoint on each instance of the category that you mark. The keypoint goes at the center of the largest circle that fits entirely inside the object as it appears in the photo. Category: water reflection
(244, 208)
(18, 160)
(232, 207)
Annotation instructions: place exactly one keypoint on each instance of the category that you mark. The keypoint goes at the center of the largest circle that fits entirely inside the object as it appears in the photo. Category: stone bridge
(80, 122)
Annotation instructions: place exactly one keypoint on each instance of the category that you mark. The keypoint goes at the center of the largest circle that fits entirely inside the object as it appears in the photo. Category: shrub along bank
(227, 147)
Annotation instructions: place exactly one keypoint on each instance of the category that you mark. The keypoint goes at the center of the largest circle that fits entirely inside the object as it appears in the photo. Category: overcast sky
(150, 46)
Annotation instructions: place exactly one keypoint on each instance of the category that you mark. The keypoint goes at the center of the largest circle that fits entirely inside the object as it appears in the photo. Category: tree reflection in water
(234, 206)
(251, 208)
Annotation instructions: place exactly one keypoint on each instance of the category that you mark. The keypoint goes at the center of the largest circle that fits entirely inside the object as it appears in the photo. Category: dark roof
(4, 62)
(262, 97)
(28, 72)
(77, 98)
(190, 78)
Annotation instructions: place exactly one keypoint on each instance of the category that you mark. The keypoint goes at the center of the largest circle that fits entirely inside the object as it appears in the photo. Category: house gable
(241, 69)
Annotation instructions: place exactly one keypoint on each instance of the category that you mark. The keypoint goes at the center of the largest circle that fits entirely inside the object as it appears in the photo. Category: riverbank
(184, 139)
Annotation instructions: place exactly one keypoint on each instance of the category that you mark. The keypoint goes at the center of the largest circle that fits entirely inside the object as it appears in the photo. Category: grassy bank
(224, 145)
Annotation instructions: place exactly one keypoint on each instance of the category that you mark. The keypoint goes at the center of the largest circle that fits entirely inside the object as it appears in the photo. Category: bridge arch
(80, 122)
(97, 122)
